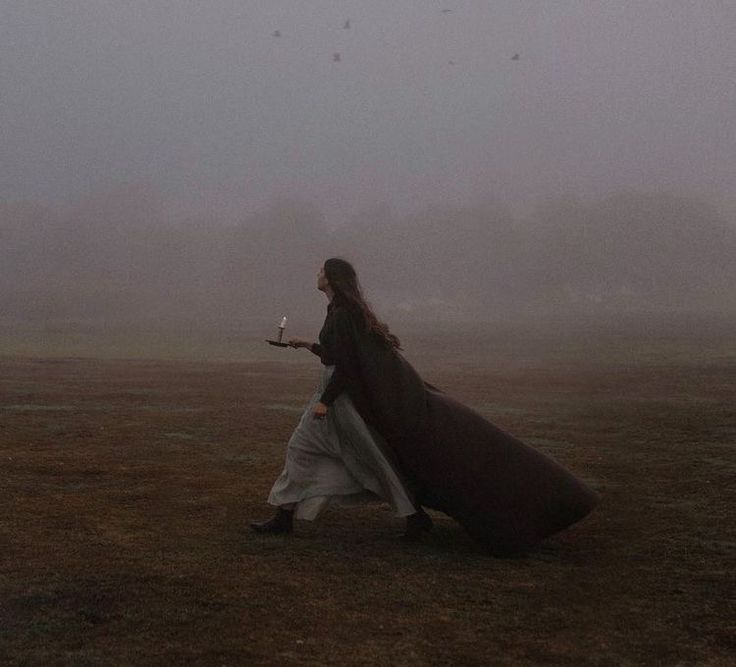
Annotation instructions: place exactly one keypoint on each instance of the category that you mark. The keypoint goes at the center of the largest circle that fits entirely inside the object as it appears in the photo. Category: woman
(506, 494)
(334, 456)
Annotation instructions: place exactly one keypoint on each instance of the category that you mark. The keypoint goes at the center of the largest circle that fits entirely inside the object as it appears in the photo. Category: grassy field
(127, 484)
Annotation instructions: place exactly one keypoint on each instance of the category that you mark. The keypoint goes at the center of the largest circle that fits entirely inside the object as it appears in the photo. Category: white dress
(339, 460)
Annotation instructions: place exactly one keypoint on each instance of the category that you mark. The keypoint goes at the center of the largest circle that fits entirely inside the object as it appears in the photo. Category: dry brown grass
(126, 488)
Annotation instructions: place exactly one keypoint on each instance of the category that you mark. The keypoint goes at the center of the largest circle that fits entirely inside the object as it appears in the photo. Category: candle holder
(279, 341)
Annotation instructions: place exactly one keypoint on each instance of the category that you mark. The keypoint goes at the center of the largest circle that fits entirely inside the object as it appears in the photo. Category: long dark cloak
(506, 494)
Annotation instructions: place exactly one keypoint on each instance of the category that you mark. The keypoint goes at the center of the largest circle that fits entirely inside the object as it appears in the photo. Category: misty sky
(201, 101)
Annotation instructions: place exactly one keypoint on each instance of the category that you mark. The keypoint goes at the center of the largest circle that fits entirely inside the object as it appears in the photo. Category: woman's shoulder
(342, 316)
(338, 316)
(339, 309)
(347, 321)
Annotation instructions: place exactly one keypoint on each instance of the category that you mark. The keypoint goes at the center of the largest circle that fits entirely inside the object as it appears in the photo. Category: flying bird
(450, 62)
(276, 33)
(515, 56)
(347, 25)
(447, 11)
(335, 57)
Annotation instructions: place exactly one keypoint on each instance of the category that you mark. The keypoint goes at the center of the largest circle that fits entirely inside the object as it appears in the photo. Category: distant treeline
(114, 258)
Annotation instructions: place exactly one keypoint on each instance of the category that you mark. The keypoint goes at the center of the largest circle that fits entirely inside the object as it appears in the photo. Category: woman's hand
(299, 342)
(320, 410)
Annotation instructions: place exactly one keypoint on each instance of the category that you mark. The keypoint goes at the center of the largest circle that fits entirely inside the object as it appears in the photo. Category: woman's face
(321, 279)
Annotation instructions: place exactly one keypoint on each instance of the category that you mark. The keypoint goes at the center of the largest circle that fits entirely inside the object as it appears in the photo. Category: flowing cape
(506, 494)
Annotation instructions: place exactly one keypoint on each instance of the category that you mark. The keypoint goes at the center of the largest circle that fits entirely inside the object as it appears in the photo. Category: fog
(116, 259)
(169, 161)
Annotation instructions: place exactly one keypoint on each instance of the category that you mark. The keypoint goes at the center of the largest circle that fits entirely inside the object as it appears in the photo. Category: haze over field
(169, 160)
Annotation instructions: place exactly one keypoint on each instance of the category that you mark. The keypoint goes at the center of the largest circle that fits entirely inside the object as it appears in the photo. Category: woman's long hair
(343, 280)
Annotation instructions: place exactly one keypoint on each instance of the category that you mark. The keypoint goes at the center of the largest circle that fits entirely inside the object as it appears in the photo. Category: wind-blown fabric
(506, 494)
(338, 460)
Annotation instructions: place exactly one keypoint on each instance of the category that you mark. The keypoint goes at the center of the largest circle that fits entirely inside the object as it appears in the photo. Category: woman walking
(334, 456)
(375, 429)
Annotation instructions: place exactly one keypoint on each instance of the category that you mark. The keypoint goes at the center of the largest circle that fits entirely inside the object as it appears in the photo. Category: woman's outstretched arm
(315, 348)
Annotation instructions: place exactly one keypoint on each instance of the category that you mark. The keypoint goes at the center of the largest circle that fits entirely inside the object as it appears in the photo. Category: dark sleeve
(344, 353)
(316, 348)
(334, 387)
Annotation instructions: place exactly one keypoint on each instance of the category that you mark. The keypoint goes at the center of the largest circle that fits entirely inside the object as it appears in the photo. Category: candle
(282, 326)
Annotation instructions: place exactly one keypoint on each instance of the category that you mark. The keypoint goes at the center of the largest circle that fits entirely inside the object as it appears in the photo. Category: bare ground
(126, 488)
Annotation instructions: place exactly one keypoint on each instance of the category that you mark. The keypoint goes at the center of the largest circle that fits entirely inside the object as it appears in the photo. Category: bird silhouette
(335, 57)
(347, 25)
(450, 62)
(447, 11)
(276, 33)
(516, 56)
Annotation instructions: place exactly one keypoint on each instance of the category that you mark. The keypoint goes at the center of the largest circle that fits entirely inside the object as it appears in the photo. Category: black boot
(280, 523)
(417, 524)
